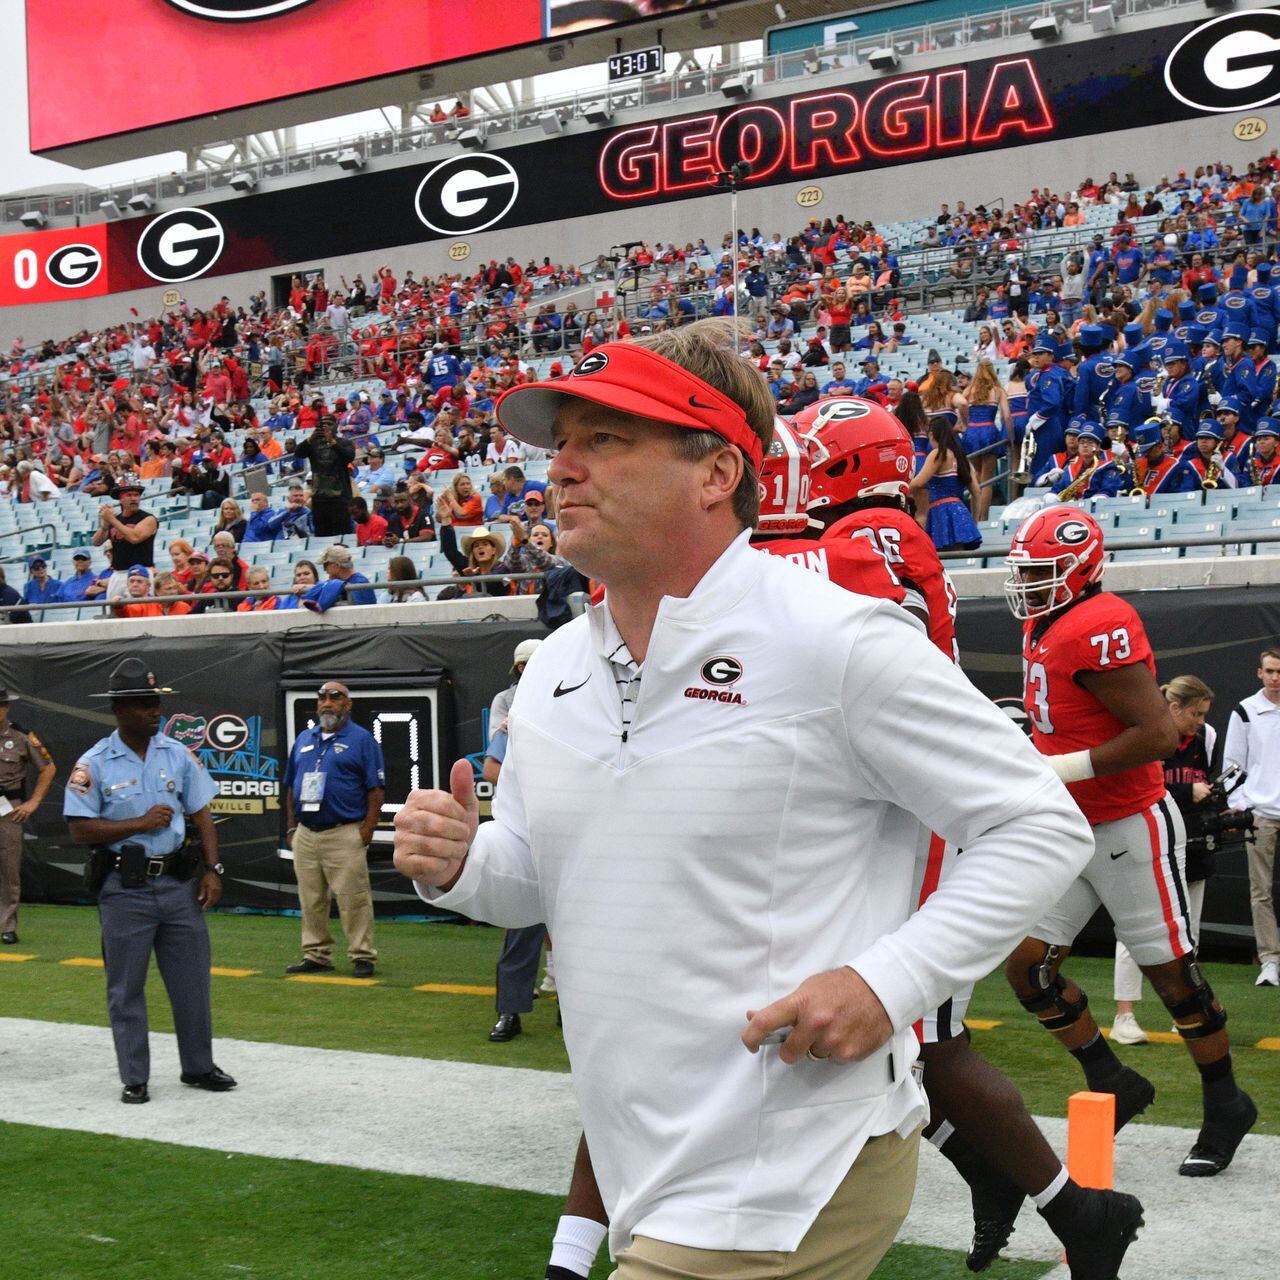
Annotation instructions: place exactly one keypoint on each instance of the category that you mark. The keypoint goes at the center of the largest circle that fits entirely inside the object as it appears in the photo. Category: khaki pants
(1262, 873)
(846, 1242)
(334, 862)
(10, 873)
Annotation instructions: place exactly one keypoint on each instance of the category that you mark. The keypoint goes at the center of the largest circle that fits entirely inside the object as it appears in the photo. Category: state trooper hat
(6, 697)
(132, 679)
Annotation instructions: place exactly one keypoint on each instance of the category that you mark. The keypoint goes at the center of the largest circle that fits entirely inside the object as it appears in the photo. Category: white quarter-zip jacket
(757, 824)
(1253, 742)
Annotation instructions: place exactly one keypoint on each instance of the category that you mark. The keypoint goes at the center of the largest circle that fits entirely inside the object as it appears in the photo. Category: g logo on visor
(238, 10)
(593, 363)
(1231, 63)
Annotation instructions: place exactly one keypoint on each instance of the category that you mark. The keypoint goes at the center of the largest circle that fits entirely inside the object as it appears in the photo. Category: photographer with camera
(1205, 812)
(1253, 744)
(331, 460)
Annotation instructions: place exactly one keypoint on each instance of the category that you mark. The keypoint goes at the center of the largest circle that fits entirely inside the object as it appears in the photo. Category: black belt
(165, 864)
(329, 826)
(14, 795)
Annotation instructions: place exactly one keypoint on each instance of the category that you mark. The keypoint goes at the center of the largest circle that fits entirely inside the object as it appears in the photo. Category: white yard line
(509, 1127)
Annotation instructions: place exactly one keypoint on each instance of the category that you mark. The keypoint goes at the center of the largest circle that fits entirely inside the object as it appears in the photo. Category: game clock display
(639, 62)
(405, 719)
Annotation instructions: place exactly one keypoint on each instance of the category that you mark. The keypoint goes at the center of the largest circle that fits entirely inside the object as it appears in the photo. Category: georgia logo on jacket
(238, 10)
(720, 672)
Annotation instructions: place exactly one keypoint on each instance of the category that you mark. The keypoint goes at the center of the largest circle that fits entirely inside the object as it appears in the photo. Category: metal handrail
(13, 533)
(663, 90)
(101, 602)
(1135, 544)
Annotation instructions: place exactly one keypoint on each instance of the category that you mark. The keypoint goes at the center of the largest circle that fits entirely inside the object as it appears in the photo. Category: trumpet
(1022, 475)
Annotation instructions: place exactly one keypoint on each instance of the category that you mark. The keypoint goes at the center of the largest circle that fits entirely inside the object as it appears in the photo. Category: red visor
(630, 379)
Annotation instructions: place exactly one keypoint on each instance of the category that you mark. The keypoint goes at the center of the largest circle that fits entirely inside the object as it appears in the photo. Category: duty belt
(165, 864)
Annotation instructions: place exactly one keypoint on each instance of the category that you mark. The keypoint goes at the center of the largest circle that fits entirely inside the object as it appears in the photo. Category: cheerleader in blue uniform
(946, 477)
(990, 422)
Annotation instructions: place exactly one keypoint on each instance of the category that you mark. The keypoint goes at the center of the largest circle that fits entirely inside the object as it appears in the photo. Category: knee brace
(1050, 1004)
(1200, 1014)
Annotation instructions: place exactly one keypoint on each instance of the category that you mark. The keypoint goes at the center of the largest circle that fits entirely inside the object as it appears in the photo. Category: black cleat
(1221, 1134)
(1134, 1094)
(1100, 1235)
(996, 1201)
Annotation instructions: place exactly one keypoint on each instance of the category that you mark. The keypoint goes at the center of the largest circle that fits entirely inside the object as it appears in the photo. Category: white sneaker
(548, 984)
(1269, 975)
(1125, 1030)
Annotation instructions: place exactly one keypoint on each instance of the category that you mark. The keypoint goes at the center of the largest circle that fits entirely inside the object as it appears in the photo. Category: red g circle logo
(238, 10)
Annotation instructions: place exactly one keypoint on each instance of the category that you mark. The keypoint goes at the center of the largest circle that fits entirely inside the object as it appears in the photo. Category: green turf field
(95, 1206)
(393, 1018)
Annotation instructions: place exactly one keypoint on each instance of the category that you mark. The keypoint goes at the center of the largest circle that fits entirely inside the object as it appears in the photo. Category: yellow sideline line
(982, 1024)
(83, 962)
(1156, 1037)
(232, 973)
(332, 982)
(457, 989)
(15, 957)
(1270, 1042)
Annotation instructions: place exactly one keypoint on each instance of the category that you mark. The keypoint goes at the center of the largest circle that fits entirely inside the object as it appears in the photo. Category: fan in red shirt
(1098, 715)
(862, 458)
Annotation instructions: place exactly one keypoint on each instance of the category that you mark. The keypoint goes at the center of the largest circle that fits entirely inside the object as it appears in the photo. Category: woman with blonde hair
(990, 421)
(939, 396)
(1186, 778)
(231, 520)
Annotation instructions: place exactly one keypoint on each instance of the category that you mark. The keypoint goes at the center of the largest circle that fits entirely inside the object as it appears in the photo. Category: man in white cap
(712, 796)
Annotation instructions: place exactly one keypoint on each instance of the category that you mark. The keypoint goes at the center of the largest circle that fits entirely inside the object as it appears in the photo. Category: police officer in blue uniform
(130, 797)
(334, 786)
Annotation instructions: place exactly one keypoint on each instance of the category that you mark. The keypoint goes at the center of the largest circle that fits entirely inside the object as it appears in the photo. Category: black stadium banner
(427, 690)
(1126, 80)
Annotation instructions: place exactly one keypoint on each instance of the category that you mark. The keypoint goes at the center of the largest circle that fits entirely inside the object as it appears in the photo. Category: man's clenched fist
(435, 829)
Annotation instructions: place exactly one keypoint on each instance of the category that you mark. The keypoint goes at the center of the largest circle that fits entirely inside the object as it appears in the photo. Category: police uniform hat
(1267, 427)
(1176, 350)
(132, 679)
(6, 697)
(1209, 428)
(1228, 404)
(1257, 339)
(1092, 431)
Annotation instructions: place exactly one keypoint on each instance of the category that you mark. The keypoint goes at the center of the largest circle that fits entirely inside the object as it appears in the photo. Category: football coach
(712, 796)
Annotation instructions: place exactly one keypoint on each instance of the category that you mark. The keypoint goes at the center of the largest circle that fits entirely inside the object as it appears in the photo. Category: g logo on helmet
(590, 364)
(180, 245)
(721, 671)
(1072, 533)
(465, 194)
(1231, 63)
(842, 410)
(238, 10)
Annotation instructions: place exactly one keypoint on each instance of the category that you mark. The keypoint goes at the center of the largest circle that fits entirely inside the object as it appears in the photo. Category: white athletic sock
(576, 1243)
(942, 1133)
(1043, 1199)
(551, 964)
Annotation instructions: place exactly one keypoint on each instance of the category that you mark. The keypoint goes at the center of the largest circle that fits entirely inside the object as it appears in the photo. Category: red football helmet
(859, 450)
(1063, 540)
(784, 482)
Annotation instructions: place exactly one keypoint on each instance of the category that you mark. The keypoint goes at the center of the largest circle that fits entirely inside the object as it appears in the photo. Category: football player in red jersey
(859, 488)
(783, 528)
(861, 465)
(1096, 711)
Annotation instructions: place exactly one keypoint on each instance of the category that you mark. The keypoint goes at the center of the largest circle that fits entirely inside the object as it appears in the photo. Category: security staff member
(18, 752)
(334, 785)
(130, 797)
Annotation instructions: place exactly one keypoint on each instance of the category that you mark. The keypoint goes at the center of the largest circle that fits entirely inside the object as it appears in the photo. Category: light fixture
(350, 160)
(1219, 4)
(707, 19)
(885, 59)
(141, 203)
(1102, 18)
(1044, 29)
(243, 181)
(556, 52)
(473, 138)
(736, 87)
(110, 208)
(780, 12)
(33, 218)
(597, 112)
(426, 81)
(551, 123)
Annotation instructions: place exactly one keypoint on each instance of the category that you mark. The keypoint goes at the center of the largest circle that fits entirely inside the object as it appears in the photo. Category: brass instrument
(1255, 470)
(1139, 489)
(1023, 474)
(1212, 472)
(1077, 486)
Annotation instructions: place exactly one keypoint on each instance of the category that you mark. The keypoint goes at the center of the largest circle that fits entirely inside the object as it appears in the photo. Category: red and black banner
(1129, 80)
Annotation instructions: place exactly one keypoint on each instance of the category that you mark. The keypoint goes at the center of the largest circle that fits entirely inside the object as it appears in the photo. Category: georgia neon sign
(837, 129)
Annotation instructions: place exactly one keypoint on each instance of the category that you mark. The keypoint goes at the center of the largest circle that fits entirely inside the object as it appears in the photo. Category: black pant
(331, 517)
(518, 968)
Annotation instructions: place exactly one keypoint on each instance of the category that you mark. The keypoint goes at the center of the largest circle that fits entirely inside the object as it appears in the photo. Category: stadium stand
(86, 409)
